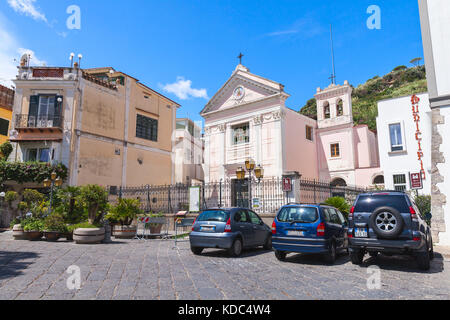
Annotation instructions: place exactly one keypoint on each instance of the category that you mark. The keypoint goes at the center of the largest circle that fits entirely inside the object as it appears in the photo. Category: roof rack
(383, 191)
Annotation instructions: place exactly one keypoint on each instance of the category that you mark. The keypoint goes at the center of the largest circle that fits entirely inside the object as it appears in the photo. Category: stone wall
(438, 199)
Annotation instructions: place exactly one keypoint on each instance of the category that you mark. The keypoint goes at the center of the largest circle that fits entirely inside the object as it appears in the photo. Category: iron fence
(231, 193)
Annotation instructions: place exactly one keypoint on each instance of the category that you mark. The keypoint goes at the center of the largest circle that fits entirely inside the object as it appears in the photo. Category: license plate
(207, 229)
(296, 233)
(361, 233)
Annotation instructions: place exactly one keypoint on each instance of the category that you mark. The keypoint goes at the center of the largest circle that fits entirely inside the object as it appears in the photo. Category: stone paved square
(153, 270)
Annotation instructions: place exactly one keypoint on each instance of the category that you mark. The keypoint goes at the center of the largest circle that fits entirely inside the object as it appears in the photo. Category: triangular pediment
(241, 89)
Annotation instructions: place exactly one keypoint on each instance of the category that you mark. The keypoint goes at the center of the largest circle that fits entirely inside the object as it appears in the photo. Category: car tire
(375, 222)
(357, 257)
(236, 248)
(196, 250)
(281, 255)
(330, 257)
(432, 249)
(423, 259)
(268, 244)
(373, 254)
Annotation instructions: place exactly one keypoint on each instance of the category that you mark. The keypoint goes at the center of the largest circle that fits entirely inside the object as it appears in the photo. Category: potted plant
(54, 227)
(124, 213)
(17, 229)
(68, 205)
(33, 228)
(155, 228)
(95, 200)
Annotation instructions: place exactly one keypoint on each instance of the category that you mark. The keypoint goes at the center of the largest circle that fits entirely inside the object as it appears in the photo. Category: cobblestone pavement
(154, 270)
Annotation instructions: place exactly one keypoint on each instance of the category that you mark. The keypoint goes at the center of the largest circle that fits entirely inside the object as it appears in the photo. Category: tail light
(417, 239)
(321, 230)
(194, 224)
(352, 211)
(228, 226)
(413, 213)
(274, 228)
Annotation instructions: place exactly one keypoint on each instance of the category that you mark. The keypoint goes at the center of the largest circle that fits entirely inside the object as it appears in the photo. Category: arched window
(326, 110)
(378, 180)
(339, 182)
(340, 108)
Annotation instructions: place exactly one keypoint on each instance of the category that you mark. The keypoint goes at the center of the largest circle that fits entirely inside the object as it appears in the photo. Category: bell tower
(334, 105)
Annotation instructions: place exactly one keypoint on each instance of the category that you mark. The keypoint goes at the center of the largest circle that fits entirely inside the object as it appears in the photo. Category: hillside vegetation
(400, 82)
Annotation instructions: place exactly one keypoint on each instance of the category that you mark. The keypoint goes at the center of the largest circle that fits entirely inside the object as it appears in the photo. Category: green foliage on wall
(28, 172)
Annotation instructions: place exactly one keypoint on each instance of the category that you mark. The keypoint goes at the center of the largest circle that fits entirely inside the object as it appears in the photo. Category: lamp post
(51, 183)
(251, 168)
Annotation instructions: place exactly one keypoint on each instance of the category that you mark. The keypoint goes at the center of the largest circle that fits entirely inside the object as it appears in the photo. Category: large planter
(52, 236)
(124, 232)
(89, 236)
(18, 233)
(34, 235)
(155, 228)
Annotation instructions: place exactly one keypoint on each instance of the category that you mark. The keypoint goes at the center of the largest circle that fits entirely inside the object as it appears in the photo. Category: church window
(335, 150)
(340, 108)
(241, 134)
(326, 110)
(309, 133)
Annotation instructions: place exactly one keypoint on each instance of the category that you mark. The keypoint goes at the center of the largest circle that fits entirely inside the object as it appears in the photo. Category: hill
(399, 82)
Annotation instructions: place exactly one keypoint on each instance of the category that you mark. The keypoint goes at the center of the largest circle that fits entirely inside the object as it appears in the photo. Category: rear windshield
(214, 215)
(298, 214)
(370, 203)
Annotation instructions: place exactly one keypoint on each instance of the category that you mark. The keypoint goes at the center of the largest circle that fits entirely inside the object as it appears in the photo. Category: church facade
(248, 119)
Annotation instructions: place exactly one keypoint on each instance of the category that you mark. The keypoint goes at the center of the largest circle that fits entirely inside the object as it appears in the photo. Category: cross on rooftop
(240, 56)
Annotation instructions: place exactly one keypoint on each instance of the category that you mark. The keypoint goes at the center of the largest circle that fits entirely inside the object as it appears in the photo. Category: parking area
(132, 269)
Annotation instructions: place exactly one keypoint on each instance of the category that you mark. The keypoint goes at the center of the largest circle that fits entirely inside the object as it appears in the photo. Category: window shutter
(33, 110)
(58, 111)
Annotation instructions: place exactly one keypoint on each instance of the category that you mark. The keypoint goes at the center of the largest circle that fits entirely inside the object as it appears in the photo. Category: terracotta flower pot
(34, 235)
(155, 229)
(18, 233)
(124, 232)
(52, 236)
(89, 236)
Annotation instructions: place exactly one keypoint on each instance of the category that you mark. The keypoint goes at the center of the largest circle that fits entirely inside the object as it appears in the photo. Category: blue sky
(190, 47)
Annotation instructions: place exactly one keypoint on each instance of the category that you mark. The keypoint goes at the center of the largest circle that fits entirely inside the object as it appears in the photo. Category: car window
(341, 217)
(334, 218)
(241, 216)
(254, 217)
(326, 215)
(298, 214)
(214, 215)
(368, 203)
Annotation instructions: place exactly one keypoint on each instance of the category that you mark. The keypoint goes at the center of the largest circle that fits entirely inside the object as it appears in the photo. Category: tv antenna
(333, 74)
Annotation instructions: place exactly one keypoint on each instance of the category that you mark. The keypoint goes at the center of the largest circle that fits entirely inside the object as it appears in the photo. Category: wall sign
(418, 135)
(287, 185)
(416, 181)
(48, 73)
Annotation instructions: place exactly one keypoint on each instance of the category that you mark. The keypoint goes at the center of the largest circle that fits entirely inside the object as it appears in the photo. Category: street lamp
(51, 183)
(250, 167)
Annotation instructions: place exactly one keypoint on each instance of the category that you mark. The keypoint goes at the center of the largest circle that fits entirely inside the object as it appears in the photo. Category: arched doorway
(378, 179)
(338, 182)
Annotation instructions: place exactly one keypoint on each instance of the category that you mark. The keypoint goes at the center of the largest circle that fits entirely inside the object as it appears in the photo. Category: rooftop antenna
(333, 75)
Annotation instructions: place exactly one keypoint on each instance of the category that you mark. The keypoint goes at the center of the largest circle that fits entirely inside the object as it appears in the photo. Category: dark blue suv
(304, 228)
(389, 222)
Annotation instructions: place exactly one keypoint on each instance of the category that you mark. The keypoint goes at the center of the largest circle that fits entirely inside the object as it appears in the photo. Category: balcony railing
(25, 121)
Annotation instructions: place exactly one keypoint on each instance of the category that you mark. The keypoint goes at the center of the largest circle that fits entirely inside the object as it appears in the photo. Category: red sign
(287, 185)
(48, 73)
(418, 135)
(416, 181)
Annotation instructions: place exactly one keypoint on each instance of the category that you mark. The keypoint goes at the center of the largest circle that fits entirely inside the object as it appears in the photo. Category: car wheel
(236, 248)
(281, 255)
(423, 260)
(386, 222)
(373, 254)
(268, 244)
(432, 249)
(357, 257)
(330, 257)
(197, 251)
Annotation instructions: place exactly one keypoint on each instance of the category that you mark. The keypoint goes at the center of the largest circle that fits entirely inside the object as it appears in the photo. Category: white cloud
(11, 50)
(27, 7)
(182, 88)
(306, 27)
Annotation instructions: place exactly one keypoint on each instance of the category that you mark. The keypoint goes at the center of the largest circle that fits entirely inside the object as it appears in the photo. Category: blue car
(232, 229)
(303, 228)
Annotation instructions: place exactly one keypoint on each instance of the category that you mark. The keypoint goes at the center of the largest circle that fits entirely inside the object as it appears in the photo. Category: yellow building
(6, 104)
(104, 125)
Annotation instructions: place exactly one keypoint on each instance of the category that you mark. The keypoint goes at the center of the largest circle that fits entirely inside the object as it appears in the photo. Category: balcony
(25, 121)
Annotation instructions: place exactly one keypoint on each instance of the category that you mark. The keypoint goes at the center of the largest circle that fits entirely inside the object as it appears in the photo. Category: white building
(435, 24)
(403, 138)
(188, 152)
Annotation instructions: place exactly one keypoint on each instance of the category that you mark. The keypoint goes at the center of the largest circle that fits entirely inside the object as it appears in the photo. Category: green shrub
(5, 150)
(339, 203)
(55, 223)
(10, 197)
(125, 211)
(424, 204)
(33, 224)
(95, 199)
(67, 203)
(23, 172)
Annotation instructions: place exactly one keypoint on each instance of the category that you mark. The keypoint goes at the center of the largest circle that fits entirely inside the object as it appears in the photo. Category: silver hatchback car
(232, 229)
